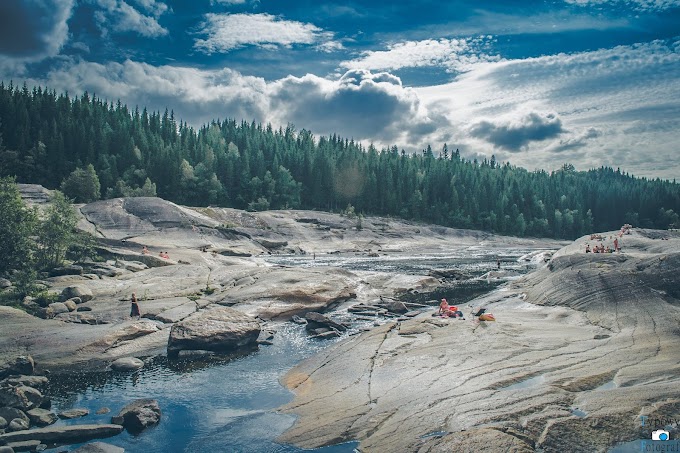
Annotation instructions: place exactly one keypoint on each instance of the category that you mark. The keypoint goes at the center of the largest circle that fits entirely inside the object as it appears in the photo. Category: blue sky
(537, 83)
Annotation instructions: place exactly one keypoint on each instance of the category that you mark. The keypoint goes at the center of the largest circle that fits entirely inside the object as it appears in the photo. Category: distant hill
(45, 137)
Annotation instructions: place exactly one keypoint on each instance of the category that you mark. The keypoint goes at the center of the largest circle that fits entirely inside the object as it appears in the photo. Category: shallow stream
(229, 404)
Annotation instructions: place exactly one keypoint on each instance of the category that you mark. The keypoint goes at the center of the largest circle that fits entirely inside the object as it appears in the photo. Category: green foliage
(56, 232)
(251, 166)
(17, 225)
(82, 247)
(82, 185)
(44, 298)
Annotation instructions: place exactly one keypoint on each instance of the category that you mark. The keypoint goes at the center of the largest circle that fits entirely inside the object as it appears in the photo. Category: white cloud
(122, 17)
(363, 105)
(629, 95)
(227, 32)
(641, 5)
(454, 54)
(31, 30)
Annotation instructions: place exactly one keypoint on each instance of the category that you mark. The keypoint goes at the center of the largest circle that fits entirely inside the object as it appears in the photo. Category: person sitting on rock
(449, 310)
(587, 248)
(145, 250)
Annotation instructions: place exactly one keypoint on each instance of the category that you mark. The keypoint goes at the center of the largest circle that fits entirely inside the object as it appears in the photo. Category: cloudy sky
(537, 83)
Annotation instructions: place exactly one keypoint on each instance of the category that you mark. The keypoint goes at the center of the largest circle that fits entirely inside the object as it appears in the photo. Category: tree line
(91, 148)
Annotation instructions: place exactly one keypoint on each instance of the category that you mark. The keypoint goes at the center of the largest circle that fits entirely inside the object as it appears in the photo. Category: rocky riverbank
(581, 349)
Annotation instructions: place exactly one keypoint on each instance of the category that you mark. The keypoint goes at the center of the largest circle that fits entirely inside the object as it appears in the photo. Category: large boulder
(138, 415)
(4, 283)
(127, 364)
(58, 308)
(42, 417)
(21, 365)
(21, 397)
(83, 292)
(29, 381)
(3, 423)
(218, 329)
(18, 425)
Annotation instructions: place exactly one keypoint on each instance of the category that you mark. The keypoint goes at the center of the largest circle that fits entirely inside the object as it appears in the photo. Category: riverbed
(229, 403)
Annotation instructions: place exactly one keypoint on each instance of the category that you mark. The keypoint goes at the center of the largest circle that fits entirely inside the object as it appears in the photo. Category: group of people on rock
(449, 311)
(601, 248)
(164, 255)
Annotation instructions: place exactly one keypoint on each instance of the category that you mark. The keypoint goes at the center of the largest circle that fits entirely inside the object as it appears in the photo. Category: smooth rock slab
(127, 364)
(217, 329)
(64, 434)
(73, 413)
(27, 445)
(138, 415)
(99, 447)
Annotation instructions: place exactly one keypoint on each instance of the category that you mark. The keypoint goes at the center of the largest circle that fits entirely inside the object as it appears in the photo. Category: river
(229, 404)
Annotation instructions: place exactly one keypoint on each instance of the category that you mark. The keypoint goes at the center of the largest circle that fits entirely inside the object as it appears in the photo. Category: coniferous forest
(92, 149)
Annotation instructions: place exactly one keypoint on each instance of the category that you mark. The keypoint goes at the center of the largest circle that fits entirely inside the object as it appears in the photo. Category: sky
(535, 83)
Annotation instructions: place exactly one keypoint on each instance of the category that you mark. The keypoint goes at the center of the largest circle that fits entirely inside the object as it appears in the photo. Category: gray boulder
(29, 381)
(138, 415)
(73, 413)
(4, 283)
(99, 447)
(217, 329)
(58, 308)
(27, 445)
(10, 413)
(70, 305)
(17, 425)
(127, 364)
(82, 292)
(3, 423)
(20, 365)
(394, 306)
(6, 449)
(21, 397)
(63, 434)
(42, 417)
(317, 320)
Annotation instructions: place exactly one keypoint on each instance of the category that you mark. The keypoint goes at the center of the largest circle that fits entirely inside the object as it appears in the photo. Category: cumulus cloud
(454, 54)
(360, 104)
(640, 5)
(31, 30)
(120, 16)
(364, 105)
(226, 32)
(516, 132)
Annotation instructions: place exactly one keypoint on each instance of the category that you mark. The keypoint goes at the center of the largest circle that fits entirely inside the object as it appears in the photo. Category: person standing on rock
(134, 308)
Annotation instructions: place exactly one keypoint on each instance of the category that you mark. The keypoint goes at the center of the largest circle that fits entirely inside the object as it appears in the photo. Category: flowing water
(229, 404)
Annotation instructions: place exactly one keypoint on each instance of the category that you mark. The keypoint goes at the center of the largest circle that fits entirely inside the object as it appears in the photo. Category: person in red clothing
(449, 310)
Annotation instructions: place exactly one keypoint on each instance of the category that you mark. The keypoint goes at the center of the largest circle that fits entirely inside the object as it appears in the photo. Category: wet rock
(83, 292)
(138, 415)
(317, 320)
(10, 413)
(27, 445)
(21, 365)
(17, 424)
(103, 410)
(215, 329)
(328, 334)
(64, 434)
(42, 417)
(73, 413)
(298, 320)
(454, 274)
(99, 447)
(127, 364)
